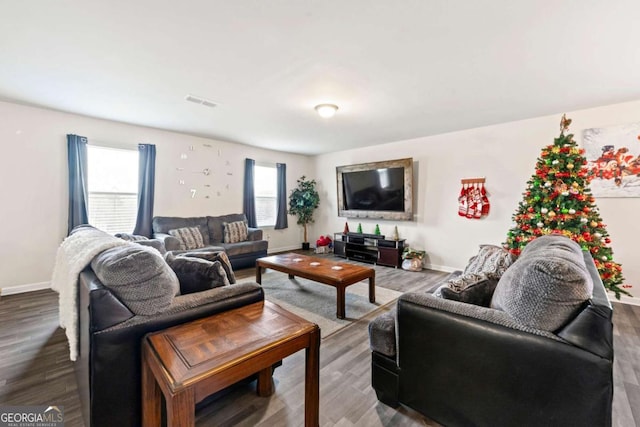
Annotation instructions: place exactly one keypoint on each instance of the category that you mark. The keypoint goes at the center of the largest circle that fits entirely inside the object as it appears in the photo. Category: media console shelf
(368, 248)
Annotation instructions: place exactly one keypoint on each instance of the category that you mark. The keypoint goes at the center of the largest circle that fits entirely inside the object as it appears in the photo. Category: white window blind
(113, 188)
(265, 186)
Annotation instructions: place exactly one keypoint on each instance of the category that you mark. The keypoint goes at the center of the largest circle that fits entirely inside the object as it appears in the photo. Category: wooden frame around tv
(407, 215)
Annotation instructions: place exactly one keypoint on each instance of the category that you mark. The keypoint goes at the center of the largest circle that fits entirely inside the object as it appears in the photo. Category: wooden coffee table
(189, 362)
(323, 272)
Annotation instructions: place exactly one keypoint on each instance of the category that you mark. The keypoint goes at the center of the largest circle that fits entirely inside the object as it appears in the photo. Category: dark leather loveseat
(466, 365)
(108, 365)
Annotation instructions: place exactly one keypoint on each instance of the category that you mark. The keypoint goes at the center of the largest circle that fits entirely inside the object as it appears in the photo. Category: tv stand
(372, 248)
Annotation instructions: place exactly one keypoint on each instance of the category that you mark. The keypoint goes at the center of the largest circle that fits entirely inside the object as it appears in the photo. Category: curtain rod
(472, 181)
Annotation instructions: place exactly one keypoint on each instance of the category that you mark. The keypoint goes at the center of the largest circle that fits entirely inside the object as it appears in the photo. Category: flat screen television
(379, 190)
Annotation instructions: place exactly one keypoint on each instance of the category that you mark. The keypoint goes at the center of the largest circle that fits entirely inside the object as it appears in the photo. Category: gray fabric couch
(241, 254)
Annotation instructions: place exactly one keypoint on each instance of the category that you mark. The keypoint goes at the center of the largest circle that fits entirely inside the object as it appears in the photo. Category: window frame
(274, 167)
(114, 147)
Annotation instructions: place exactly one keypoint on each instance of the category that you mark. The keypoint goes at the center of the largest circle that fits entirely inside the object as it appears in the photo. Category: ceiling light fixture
(326, 110)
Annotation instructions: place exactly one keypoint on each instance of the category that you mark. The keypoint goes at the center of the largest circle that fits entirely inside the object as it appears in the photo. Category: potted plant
(412, 259)
(303, 200)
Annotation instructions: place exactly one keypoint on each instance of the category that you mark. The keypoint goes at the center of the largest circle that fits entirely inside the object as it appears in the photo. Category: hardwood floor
(35, 370)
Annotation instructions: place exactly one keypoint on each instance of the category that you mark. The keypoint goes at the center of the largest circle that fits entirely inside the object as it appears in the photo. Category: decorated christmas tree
(557, 200)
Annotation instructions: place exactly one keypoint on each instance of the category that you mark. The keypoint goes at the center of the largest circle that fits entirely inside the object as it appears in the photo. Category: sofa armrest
(448, 353)
(170, 243)
(184, 307)
(116, 351)
(254, 234)
(472, 311)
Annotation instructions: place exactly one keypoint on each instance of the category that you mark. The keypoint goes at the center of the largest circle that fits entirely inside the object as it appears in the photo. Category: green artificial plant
(303, 200)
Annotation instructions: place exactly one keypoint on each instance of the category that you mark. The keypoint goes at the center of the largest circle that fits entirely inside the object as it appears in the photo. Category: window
(113, 188)
(265, 184)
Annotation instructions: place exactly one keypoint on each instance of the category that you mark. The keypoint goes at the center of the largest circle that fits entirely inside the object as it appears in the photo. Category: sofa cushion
(162, 224)
(470, 288)
(189, 237)
(248, 247)
(216, 227)
(156, 244)
(143, 240)
(138, 276)
(197, 274)
(130, 237)
(491, 260)
(547, 286)
(235, 232)
(214, 256)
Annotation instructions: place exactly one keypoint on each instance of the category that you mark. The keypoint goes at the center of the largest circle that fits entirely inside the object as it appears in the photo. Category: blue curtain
(249, 202)
(281, 197)
(146, 188)
(78, 192)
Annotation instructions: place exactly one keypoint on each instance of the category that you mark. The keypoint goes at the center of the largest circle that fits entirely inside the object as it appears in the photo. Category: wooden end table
(321, 270)
(187, 363)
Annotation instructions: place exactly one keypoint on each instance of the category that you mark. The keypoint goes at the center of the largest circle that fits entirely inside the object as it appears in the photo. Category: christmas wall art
(473, 202)
(613, 160)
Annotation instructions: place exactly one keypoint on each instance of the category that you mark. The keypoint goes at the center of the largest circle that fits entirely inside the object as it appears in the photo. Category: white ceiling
(397, 69)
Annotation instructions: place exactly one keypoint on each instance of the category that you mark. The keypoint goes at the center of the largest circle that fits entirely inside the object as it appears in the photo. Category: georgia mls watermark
(31, 416)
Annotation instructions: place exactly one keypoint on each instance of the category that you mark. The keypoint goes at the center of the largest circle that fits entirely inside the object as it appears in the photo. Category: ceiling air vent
(199, 100)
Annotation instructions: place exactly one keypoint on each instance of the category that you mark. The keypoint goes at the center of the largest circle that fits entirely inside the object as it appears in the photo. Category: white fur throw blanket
(74, 254)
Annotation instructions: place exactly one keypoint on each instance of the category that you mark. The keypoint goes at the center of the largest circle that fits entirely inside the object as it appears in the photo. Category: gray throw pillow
(235, 232)
(491, 260)
(189, 237)
(547, 286)
(214, 256)
(138, 276)
(474, 289)
(197, 274)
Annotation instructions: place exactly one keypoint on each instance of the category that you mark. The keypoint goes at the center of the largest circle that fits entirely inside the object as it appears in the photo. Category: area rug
(316, 302)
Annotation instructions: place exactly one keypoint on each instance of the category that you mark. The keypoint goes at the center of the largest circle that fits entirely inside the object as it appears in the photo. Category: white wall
(34, 194)
(506, 155)
(33, 184)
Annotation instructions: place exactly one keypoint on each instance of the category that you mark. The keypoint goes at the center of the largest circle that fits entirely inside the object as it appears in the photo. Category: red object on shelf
(323, 241)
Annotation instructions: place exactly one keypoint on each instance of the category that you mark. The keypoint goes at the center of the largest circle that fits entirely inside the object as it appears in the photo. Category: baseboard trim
(624, 299)
(444, 268)
(283, 249)
(27, 287)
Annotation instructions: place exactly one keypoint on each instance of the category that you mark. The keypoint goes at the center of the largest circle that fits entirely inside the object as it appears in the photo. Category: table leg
(181, 409)
(312, 381)
(265, 382)
(258, 274)
(340, 310)
(291, 277)
(151, 397)
(372, 289)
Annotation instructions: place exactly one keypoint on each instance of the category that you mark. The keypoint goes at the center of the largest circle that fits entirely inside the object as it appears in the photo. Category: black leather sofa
(466, 365)
(109, 361)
